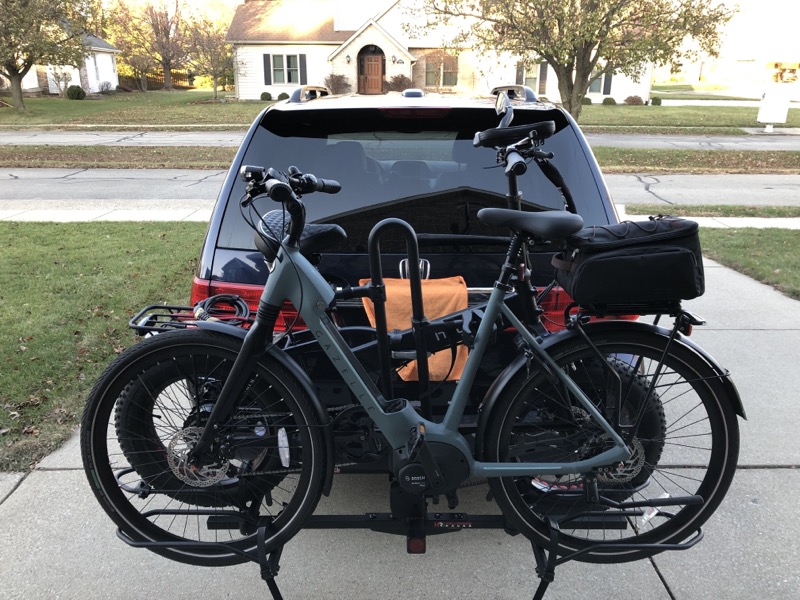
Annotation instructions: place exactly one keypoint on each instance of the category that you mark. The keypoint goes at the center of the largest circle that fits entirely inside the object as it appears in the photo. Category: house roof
(371, 24)
(96, 43)
(271, 21)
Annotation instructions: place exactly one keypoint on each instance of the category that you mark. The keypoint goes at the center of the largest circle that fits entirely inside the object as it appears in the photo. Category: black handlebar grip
(328, 186)
(279, 190)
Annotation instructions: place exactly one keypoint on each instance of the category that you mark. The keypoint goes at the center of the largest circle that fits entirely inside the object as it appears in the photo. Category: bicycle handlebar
(283, 187)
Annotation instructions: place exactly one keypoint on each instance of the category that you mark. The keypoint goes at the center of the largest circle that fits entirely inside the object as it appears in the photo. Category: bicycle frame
(295, 279)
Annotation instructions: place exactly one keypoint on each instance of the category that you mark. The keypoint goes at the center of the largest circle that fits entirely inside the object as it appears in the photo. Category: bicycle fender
(723, 374)
(552, 343)
(304, 380)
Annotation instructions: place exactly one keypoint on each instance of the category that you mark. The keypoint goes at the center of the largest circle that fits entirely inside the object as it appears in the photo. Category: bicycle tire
(148, 408)
(535, 420)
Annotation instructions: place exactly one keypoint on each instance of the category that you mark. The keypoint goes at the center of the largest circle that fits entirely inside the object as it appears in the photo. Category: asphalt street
(162, 194)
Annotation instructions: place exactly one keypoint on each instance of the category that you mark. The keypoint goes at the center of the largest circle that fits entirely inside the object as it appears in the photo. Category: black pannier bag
(656, 262)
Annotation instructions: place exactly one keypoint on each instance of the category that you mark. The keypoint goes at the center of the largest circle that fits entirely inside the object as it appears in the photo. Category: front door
(371, 62)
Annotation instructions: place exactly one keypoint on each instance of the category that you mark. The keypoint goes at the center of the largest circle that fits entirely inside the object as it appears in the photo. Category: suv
(412, 157)
(408, 156)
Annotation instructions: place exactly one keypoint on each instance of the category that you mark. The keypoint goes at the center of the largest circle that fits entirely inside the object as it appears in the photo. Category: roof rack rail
(516, 92)
(309, 92)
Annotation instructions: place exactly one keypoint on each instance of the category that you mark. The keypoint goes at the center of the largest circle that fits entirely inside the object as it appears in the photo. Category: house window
(284, 69)
(441, 69)
(596, 84)
(600, 84)
(534, 78)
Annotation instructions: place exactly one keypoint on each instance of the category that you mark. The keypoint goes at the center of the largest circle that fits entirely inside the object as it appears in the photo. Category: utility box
(774, 107)
(775, 101)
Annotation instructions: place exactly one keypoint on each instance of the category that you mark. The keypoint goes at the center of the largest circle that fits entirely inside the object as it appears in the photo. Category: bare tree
(209, 53)
(581, 39)
(39, 31)
(155, 32)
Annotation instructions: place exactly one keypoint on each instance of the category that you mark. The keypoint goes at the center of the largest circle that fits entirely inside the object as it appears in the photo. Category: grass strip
(637, 160)
(69, 290)
(713, 210)
(116, 157)
(771, 256)
(655, 130)
(612, 160)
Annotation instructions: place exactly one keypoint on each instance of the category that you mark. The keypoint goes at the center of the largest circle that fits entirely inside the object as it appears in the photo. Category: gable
(276, 21)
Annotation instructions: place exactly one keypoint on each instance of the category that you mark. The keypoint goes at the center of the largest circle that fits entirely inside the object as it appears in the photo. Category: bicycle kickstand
(269, 563)
(546, 560)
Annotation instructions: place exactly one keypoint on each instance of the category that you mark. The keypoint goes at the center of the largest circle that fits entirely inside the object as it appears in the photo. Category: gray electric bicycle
(609, 441)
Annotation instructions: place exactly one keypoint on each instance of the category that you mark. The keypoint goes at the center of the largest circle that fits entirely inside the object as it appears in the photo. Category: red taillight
(557, 302)
(554, 305)
(287, 319)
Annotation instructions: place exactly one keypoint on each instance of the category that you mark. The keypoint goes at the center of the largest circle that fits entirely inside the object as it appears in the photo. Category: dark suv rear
(405, 156)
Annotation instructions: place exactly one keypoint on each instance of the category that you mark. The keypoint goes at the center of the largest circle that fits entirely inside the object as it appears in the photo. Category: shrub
(586, 101)
(398, 83)
(105, 88)
(609, 101)
(655, 101)
(283, 96)
(634, 101)
(75, 92)
(266, 96)
(338, 84)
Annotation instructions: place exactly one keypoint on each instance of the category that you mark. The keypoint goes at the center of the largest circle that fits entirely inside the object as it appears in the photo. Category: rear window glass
(416, 165)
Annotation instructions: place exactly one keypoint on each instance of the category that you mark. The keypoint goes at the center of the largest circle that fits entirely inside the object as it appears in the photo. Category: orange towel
(440, 297)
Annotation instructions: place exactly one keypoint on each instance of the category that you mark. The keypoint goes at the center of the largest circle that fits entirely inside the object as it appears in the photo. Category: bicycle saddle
(554, 224)
(274, 225)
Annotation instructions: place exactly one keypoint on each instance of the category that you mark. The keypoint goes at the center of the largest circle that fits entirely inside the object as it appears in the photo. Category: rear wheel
(148, 410)
(685, 443)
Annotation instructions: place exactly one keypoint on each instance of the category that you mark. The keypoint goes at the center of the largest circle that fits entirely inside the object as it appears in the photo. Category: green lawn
(677, 116)
(158, 108)
(191, 108)
(67, 295)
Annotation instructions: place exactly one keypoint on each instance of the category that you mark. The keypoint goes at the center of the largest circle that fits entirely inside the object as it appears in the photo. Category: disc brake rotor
(180, 445)
(628, 470)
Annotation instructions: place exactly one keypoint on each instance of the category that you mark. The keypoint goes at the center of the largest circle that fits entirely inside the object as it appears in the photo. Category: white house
(99, 66)
(98, 70)
(280, 44)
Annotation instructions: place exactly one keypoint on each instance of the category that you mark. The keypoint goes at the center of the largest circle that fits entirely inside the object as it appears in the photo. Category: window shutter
(303, 78)
(542, 79)
(607, 85)
(267, 70)
(520, 73)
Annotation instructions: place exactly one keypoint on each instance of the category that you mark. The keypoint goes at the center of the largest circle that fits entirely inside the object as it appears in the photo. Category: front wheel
(685, 443)
(149, 408)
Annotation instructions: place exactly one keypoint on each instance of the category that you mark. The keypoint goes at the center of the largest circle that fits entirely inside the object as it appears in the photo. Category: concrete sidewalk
(59, 543)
